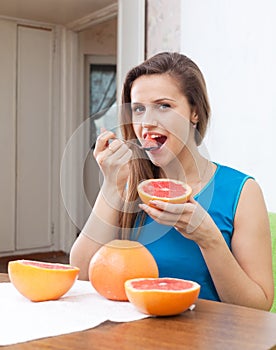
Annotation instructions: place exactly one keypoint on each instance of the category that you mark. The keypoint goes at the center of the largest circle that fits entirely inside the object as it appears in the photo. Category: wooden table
(211, 325)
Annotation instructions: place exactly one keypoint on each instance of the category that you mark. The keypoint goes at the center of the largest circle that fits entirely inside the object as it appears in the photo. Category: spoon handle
(128, 142)
(150, 148)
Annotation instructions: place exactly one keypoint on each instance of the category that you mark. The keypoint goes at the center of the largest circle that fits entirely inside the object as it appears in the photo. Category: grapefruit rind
(42, 281)
(156, 302)
(116, 262)
(146, 197)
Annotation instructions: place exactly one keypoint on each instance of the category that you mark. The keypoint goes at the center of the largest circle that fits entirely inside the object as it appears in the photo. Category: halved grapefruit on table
(41, 281)
(166, 190)
(162, 296)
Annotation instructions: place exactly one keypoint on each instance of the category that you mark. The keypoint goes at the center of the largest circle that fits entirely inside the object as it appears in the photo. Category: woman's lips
(154, 140)
(151, 143)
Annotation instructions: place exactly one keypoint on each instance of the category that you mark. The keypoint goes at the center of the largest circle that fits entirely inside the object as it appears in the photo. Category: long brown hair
(192, 84)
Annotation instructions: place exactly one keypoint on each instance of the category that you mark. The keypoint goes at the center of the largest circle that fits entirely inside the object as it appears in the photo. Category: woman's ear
(194, 118)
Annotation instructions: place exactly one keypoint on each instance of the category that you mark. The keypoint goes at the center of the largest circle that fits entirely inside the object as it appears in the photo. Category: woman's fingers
(196, 219)
(104, 149)
(185, 217)
(115, 145)
(116, 153)
(113, 155)
(102, 142)
(161, 215)
(171, 207)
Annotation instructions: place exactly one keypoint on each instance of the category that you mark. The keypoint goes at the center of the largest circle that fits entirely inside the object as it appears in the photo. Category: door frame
(55, 131)
(131, 24)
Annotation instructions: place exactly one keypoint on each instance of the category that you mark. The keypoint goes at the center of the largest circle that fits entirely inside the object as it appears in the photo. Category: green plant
(272, 220)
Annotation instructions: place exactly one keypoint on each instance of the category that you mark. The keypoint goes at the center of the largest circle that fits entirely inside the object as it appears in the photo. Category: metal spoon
(151, 148)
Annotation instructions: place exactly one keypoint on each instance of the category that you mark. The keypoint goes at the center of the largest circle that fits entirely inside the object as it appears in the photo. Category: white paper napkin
(81, 308)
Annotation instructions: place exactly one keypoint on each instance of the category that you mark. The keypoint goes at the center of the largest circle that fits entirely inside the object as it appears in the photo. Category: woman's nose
(149, 117)
(149, 123)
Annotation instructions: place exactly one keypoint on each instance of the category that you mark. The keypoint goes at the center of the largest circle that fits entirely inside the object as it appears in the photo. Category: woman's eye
(138, 109)
(164, 106)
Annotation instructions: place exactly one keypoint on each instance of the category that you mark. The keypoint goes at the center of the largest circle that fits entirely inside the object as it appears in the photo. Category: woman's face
(161, 113)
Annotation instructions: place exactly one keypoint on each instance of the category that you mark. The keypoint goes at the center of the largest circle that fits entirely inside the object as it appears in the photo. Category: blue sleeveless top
(179, 257)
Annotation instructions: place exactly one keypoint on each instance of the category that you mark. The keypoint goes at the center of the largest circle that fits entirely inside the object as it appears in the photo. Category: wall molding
(93, 18)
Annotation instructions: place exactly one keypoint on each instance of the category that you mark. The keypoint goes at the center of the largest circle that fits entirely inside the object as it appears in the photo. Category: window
(102, 96)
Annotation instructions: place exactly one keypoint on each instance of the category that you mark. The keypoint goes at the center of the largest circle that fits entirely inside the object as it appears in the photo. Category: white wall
(233, 42)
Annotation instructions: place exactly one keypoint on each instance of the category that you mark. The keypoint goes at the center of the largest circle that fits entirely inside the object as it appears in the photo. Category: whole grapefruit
(41, 281)
(116, 262)
(166, 190)
(162, 296)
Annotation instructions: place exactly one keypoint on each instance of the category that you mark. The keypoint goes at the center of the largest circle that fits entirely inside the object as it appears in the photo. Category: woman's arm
(243, 276)
(101, 227)
(103, 223)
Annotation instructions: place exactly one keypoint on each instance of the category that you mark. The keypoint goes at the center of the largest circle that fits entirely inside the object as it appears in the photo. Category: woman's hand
(190, 219)
(113, 159)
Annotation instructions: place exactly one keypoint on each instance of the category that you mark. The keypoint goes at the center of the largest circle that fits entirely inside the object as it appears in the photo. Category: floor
(56, 257)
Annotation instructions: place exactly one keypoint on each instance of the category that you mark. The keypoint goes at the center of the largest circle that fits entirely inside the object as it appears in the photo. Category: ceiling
(64, 12)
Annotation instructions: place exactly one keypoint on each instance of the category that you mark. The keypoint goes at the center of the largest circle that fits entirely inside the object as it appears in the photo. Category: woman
(220, 237)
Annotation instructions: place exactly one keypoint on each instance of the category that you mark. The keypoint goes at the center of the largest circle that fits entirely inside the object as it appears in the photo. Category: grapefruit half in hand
(117, 261)
(40, 281)
(166, 190)
(162, 296)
